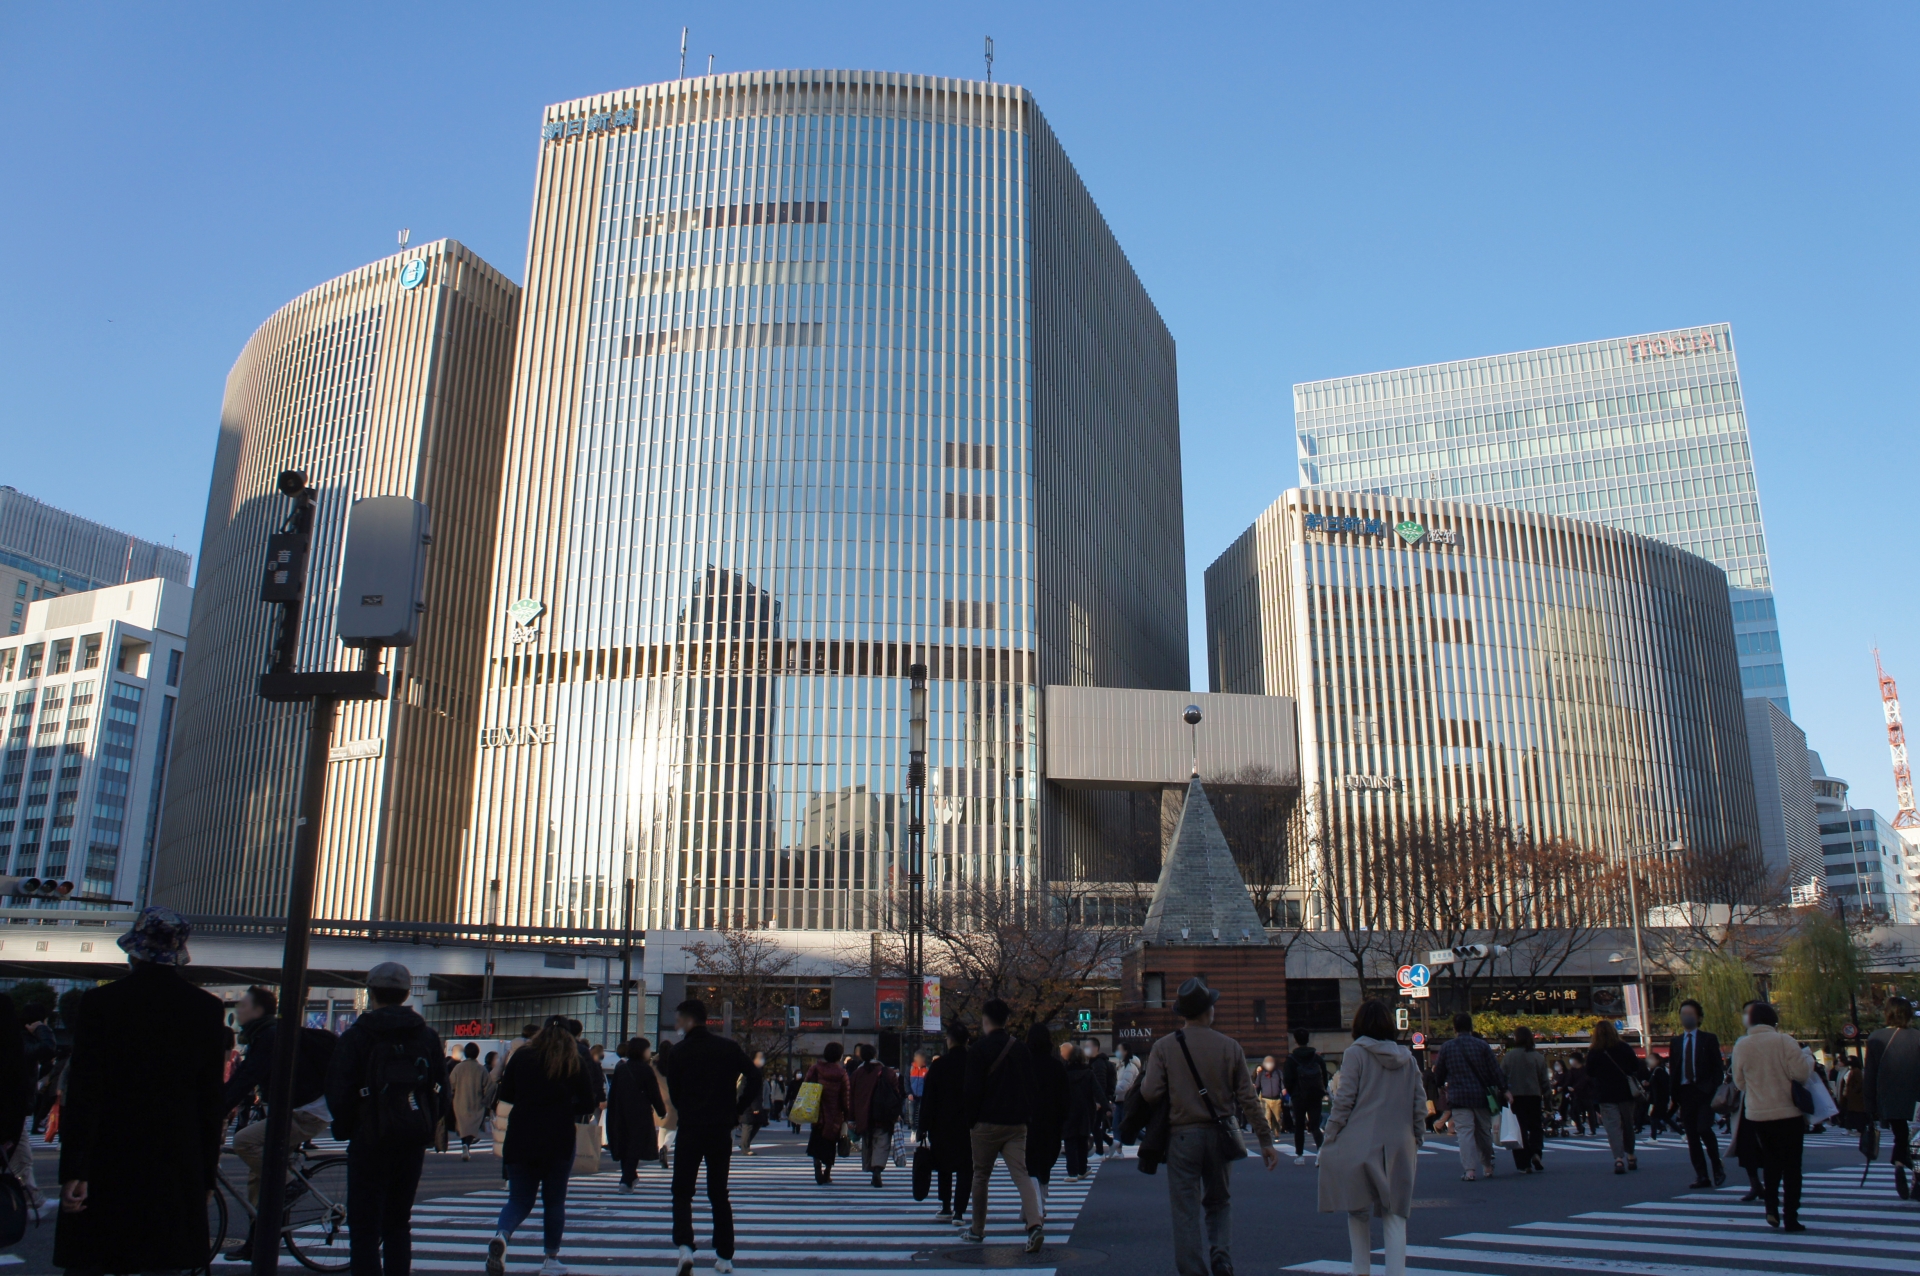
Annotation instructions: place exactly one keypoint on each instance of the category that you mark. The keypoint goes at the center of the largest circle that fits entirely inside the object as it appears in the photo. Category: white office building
(1866, 864)
(89, 686)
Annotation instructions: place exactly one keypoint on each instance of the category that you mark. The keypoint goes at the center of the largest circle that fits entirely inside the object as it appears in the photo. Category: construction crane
(1908, 818)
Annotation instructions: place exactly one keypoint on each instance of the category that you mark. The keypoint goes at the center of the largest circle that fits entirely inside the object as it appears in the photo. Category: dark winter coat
(1049, 1118)
(1304, 1073)
(1609, 1072)
(1004, 1096)
(943, 1112)
(705, 1074)
(141, 1124)
(16, 1074)
(1893, 1073)
(836, 1098)
(255, 1070)
(347, 1074)
(633, 1100)
(545, 1109)
(1084, 1099)
(866, 1081)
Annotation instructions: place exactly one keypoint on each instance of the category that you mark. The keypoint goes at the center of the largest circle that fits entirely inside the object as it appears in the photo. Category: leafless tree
(750, 970)
(1253, 806)
(1357, 886)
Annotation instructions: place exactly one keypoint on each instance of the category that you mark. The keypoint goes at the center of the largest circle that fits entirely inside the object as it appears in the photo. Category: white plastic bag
(1510, 1136)
(1824, 1108)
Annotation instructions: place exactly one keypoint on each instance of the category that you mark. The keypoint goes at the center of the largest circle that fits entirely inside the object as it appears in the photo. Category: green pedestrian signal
(1086, 1021)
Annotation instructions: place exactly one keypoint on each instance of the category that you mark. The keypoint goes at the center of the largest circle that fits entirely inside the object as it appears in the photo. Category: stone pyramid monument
(1201, 897)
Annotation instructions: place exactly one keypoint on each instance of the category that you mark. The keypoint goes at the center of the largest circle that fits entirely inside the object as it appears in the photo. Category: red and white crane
(1908, 818)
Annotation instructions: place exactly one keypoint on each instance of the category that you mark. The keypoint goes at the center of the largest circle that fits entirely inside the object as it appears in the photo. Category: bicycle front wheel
(316, 1226)
(216, 1226)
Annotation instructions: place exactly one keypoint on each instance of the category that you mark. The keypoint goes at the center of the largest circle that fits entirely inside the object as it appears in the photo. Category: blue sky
(1307, 191)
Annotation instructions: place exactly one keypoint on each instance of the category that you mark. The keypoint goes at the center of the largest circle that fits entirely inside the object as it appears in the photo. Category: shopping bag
(501, 1110)
(806, 1104)
(1510, 1136)
(586, 1149)
(900, 1146)
(1824, 1108)
(922, 1172)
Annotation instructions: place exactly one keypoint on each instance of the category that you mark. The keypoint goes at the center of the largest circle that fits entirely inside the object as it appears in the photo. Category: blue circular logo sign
(412, 273)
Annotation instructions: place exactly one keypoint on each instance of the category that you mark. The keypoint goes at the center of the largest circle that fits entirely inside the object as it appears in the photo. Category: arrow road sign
(1419, 976)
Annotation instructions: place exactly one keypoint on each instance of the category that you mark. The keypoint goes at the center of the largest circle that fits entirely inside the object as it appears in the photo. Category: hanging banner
(930, 1003)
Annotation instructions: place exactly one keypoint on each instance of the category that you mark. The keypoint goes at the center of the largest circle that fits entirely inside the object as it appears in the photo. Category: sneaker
(723, 1265)
(1222, 1264)
(1036, 1238)
(944, 1216)
(552, 1267)
(497, 1256)
(626, 1189)
(686, 1262)
(1299, 1160)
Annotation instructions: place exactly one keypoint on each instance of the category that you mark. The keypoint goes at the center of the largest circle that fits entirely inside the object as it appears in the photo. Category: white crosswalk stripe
(783, 1221)
(1851, 1229)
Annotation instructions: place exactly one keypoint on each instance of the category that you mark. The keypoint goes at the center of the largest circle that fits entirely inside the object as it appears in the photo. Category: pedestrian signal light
(793, 1017)
(1400, 1019)
(1086, 1021)
(34, 888)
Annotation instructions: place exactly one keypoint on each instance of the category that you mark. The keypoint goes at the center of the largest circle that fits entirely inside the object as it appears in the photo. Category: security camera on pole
(381, 595)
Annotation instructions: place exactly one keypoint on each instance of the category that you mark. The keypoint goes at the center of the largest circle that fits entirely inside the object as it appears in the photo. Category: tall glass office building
(1647, 434)
(820, 373)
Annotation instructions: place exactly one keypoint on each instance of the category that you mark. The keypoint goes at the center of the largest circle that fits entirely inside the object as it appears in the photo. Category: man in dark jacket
(999, 1104)
(257, 1013)
(1103, 1072)
(1694, 1059)
(712, 1082)
(1304, 1075)
(1893, 1084)
(140, 1128)
(387, 1090)
(1467, 1068)
(942, 1124)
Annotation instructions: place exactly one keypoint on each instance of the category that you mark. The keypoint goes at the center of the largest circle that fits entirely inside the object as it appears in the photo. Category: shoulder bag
(1635, 1090)
(1232, 1146)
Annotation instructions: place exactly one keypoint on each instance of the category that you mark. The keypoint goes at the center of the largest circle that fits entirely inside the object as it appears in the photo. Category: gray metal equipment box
(383, 573)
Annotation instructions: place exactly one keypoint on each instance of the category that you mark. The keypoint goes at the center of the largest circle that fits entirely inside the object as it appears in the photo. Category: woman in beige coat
(1766, 1063)
(1374, 1132)
(468, 1081)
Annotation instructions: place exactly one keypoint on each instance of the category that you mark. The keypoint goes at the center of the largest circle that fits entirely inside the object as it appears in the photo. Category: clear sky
(1307, 191)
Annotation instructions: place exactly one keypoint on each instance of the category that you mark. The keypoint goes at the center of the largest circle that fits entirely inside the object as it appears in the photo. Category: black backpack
(1309, 1079)
(400, 1102)
(883, 1109)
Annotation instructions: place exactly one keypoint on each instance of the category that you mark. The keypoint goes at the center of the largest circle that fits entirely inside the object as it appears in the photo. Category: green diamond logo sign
(526, 611)
(1410, 532)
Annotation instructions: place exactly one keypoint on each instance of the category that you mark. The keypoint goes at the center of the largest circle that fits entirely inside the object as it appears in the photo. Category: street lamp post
(1639, 951)
(916, 853)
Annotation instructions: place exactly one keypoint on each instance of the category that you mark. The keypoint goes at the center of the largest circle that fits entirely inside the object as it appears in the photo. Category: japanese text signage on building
(1674, 343)
(1409, 531)
(597, 122)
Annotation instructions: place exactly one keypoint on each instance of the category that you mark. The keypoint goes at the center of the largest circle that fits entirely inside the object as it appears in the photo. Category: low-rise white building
(1866, 862)
(89, 687)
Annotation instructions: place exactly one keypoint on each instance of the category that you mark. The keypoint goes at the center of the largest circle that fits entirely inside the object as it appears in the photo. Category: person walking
(1305, 1076)
(1126, 1075)
(757, 1115)
(1698, 1069)
(1374, 1133)
(1466, 1067)
(1044, 1127)
(714, 1082)
(546, 1081)
(1272, 1087)
(1528, 1084)
(670, 1123)
(999, 1104)
(1618, 1078)
(34, 1041)
(941, 1123)
(1891, 1085)
(387, 1092)
(633, 1100)
(877, 1102)
(1103, 1073)
(1085, 1099)
(1659, 1097)
(468, 1082)
(1766, 1064)
(143, 1112)
(836, 1100)
(916, 1086)
(257, 1014)
(1202, 1077)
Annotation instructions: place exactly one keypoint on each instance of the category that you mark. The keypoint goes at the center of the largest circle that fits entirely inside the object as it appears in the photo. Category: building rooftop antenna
(989, 59)
(683, 53)
(406, 233)
(709, 64)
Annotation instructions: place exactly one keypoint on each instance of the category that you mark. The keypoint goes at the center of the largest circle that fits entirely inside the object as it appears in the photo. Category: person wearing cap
(1196, 1161)
(142, 1118)
(387, 1090)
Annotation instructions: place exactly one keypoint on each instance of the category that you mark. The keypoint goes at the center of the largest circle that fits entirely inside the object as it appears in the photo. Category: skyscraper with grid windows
(1648, 434)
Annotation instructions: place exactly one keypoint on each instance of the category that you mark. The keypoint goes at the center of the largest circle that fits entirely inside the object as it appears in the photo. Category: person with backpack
(387, 1091)
(713, 1082)
(877, 1104)
(1304, 1075)
(258, 1016)
(546, 1081)
(1000, 1099)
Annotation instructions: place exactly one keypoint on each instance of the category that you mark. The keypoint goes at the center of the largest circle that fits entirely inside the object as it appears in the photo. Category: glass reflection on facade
(821, 373)
(1643, 433)
(1577, 679)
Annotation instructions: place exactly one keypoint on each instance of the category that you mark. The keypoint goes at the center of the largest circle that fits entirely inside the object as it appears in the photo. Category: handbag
(922, 1172)
(845, 1146)
(899, 1146)
(1802, 1097)
(1232, 1146)
(1635, 1090)
(806, 1103)
(1726, 1100)
(586, 1148)
(13, 1210)
(1510, 1136)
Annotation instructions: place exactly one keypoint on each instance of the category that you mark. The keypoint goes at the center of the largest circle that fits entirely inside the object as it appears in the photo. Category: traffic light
(1085, 1022)
(1400, 1018)
(34, 888)
(793, 1018)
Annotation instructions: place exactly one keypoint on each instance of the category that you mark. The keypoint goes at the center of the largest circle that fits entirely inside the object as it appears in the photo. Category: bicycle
(314, 1224)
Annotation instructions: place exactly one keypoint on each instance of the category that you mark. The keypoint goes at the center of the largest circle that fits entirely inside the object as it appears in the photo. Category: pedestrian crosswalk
(783, 1221)
(1850, 1228)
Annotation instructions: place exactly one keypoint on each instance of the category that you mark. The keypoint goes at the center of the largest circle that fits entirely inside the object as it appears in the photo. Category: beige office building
(391, 380)
(1574, 679)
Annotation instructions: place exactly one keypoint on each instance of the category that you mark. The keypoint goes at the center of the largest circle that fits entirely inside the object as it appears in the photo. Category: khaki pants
(250, 1145)
(20, 1164)
(1276, 1114)
(1009, 1141)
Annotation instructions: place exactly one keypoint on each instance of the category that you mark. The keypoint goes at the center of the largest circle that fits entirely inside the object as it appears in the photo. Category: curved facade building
(391, 380)
(1580, 681)
(821, 373)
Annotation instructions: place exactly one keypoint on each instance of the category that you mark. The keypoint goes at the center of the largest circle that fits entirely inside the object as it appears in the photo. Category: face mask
(1689, 1021)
